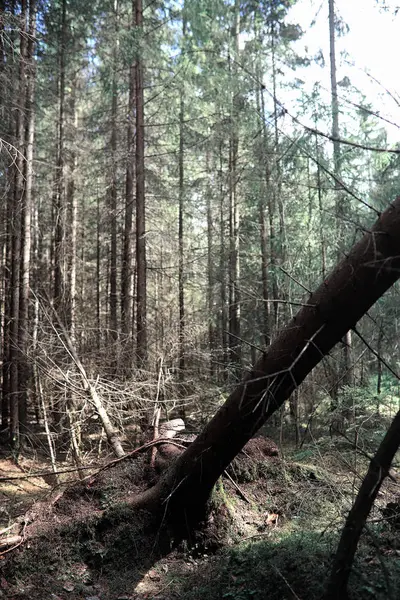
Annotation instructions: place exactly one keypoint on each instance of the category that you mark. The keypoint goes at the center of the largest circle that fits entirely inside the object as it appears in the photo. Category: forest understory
(271, 531)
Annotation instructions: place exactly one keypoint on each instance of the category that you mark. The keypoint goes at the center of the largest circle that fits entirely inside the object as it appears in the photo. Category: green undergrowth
(294, 565)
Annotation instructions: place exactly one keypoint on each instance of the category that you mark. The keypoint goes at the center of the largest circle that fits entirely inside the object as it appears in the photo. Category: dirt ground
(82, 541)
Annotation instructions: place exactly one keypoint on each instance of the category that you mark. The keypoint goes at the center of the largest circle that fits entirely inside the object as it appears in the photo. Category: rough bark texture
(371, 267)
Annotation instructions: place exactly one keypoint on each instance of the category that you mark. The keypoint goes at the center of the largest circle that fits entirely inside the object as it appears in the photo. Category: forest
(199, 315)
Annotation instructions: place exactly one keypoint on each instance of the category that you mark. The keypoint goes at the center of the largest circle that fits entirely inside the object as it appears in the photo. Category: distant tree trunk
(60, 206)
(222, 267)
(335, 307)
(72, 208)
(25, 263)
(210, 272)
(348, 377)
(271, 217)
(5, 93)
(262, 208)
(127, 257)
(320, 209)
(181, 291)
(141, 292)
(113, 200)
(16, 221)
(234, 218)
(98, 275)
(379, 363)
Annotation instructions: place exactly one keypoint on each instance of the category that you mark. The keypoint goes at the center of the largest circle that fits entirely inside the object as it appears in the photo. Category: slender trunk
(277, 187)
(222, 268)
(320, 210)
(262, 207)
(271, 217)
(72, 207)
(348, 378)
(98, 276)
(19, 191)
(141, 297)
(379, 365)
(127, 258)
(59, 208)
(5, 389)
(210, 274)
(234, 216)
(25, 263)
(181, 291)
(113, 202)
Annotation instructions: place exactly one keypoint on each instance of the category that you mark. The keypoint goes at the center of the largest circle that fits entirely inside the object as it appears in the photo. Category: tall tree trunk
(270, 196)
(348, 377)
(72, 208)
(335, 307)
(127, 258)
(113, 201)
(141, 292)
(210, 271)
(262, 208)
(222, 267)
(60, 206)
(181, 291)
(234, 216)
(19, 191)
(25, 263)
(6, 92)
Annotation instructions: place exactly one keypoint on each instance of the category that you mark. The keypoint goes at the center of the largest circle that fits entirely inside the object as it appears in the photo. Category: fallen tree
(369, 269)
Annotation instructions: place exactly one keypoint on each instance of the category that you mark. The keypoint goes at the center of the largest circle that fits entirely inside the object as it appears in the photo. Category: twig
(235, 485)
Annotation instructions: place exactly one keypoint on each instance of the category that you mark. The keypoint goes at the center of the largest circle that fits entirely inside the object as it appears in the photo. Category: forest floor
(272, 536)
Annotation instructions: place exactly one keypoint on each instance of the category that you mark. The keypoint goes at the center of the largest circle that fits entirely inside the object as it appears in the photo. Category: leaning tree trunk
(370, 268)
(377, 471)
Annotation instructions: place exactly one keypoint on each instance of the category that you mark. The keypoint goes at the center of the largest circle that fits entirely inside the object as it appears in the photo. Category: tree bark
(127, 258)
(348, 377)
(26, 237)
(181, 291)
(18, 191)
(370, 268)
(141, 292)
(235, 349)
(113, 202)
(60, 208)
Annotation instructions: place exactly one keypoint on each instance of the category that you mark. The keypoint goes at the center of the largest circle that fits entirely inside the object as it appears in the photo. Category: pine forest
(199, 306)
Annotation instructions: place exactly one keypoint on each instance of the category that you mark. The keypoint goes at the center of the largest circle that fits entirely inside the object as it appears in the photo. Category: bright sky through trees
(370, 46)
